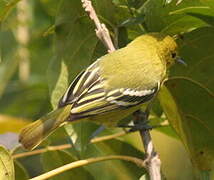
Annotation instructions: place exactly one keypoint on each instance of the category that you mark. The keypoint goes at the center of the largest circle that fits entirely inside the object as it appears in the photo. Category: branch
(101, 30)
(84, 162)
(152, 160)
(66, 146)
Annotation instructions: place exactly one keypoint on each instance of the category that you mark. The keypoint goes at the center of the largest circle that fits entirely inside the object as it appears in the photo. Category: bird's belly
(111, 119)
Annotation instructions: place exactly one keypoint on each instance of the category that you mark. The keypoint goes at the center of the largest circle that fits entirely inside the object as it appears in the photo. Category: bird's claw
(137, 127)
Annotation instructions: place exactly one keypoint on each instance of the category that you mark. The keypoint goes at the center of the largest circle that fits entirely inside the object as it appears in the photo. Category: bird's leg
(141, 118)
(140, 122)
(136, 127)
(151, 160)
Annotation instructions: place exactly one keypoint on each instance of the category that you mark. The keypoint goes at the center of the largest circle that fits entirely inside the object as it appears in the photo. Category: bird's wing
(89, 97)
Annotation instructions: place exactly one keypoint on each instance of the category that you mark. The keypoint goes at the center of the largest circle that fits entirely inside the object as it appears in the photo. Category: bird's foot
(137, 127)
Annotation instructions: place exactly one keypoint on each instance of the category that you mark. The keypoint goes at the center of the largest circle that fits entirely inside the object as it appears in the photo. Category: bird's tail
(33, 134)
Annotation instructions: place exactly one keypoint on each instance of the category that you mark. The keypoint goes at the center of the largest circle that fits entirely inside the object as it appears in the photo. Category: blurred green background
(44, 44)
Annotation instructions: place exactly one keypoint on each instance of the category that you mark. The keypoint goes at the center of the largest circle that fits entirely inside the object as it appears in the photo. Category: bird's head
(164, 45)
(168, 49)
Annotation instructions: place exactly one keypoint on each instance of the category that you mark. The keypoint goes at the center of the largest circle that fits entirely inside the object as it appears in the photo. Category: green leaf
(156, 108)
(206, 10)
(135, 4)
(188, 98)
(31, 98)
(204, 13)
(122, 37)
(119, 169)
(168, 130)
(55, 159)
(184, 25)
(6, 7)
(61, 84)
(80, 134)
(168, 20)
(20, 171)
(191, 123)
(107, 15)
(6, 165)
(30, 101)
(205, 18)
(195, 50)
(7, 70)
(75, 43)
(133, 21)
(143, 177)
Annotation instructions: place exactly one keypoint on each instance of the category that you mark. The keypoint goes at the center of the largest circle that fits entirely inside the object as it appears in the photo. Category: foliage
(62, 42)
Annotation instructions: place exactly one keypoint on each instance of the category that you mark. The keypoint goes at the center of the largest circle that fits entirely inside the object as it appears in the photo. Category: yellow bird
(114, 86)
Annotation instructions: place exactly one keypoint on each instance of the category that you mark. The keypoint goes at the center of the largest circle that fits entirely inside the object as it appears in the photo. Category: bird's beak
(181, 61)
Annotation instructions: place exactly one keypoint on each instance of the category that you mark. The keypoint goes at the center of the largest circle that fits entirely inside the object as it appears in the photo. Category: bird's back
(139, 67)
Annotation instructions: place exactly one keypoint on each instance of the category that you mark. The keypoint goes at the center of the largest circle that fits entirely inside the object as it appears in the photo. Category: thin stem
(84, 162)
(66, 146)
(152, 160)
(101, 30)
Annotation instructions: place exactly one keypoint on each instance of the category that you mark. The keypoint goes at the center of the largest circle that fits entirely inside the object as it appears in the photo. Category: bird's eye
(173, 55)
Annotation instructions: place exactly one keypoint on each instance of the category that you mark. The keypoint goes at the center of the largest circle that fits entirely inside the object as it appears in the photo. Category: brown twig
(84, 162)
(66, 146)
(152, 160)
(101, 30)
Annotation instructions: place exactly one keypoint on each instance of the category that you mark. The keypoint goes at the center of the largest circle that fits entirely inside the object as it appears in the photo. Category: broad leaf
(55, 159)
(80, 134)
(188, 98)
(6, 165)
(20, 171)
(169, 22)
(119, 169)
(6, 7)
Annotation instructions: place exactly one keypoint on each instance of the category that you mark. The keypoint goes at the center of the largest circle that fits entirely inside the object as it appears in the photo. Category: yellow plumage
(113, 87)
(145, 62)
